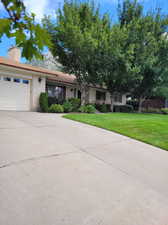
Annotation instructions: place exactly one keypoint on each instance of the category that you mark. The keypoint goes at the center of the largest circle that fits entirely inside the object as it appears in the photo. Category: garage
(21, 84)
(14, 93)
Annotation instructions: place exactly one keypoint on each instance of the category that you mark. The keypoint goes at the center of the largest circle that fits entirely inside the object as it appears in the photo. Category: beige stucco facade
(92, 97)
(70, 92)
(38, 86)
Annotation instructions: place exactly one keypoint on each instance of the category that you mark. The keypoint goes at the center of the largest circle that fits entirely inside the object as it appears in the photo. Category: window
(7, 79)
(118, 98)
(57, 92)
(100, 95)
(25, 81)
(17, 80)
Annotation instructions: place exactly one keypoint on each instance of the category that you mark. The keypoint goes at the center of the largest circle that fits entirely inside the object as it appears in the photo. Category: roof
(55, 75)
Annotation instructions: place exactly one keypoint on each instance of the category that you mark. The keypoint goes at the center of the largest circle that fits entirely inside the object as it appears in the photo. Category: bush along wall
(43, 101)
(76, 103)
(123, 108)
(56, 108)
(164, 111)
(104, 108)
(87, 109)
(68, 107)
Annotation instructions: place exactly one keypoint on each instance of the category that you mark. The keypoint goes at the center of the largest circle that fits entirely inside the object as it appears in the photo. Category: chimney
(14, 53)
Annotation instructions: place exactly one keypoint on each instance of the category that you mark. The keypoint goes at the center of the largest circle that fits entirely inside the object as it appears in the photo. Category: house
(48, 62)
(21, 85)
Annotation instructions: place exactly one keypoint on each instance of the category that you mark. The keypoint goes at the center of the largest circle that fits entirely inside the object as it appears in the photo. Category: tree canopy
(76, 37)
(129, 11)
(20, 24)
(126, 57)
(150, 53)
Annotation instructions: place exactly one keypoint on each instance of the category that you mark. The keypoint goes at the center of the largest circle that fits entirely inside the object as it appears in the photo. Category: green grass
(149, 128)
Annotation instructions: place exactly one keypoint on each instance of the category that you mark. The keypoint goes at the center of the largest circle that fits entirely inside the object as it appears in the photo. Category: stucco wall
(108, 99)
(36, 88)
(92, 97)
(124, 100)
(69, 92)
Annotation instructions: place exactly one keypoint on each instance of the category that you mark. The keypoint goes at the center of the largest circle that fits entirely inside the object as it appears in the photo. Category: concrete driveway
(54, 171)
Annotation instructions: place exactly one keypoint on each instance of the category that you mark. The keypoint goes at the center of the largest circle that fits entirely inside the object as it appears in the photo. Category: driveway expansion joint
(35, 159)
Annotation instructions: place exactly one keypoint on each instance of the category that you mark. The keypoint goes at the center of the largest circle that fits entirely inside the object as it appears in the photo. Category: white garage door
(14, 93)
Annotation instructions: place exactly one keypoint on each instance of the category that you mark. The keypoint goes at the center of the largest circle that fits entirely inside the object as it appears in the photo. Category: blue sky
(41, 7)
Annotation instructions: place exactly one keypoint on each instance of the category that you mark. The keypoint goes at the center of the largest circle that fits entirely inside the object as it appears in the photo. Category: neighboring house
(48, 62)
(21, 85)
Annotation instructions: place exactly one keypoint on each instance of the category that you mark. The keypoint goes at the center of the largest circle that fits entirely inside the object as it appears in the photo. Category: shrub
(87, 109)
(123, 108)
(67, 106)
(76, 102)
(108, 106)
(164, 110)
(43, 101)
(56, 108)
(82, 108)
(90, 109)
(98, 107)
(102, 108)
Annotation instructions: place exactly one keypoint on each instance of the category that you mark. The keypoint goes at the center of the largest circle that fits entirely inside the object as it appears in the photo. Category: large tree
(162, 87)
(128, 11)
(114, 58)
(147, 36)
(150, 54)
(115, 54)
(76, 37)
(125, 57)
(18, 23)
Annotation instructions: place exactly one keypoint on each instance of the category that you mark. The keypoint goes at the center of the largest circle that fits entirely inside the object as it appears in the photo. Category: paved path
(54, 171)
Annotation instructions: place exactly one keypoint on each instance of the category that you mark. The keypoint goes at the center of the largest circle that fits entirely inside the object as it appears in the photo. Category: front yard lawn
(149, 128)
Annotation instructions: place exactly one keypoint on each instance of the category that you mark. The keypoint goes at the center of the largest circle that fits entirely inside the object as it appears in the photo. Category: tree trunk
(83, 98)
(84, 94)
(141, 100)
(112, 103)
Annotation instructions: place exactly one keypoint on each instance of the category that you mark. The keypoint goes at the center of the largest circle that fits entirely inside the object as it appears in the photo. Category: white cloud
(39, 7)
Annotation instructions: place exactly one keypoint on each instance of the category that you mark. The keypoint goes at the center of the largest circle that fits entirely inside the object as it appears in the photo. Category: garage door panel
(14, 96)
